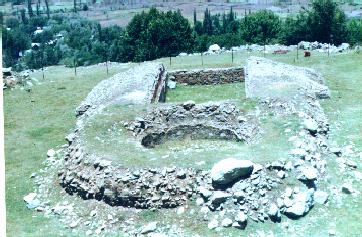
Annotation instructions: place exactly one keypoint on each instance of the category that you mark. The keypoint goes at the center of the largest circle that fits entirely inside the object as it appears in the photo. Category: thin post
(107, 66)
(42, 63)
(232, 56)
(170, 60)
(202, 60)
(297, 50)
(264, 50)
(328, 50)
(75, 68)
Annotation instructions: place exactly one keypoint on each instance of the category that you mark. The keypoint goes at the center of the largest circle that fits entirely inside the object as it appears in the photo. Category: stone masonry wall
(208, 76)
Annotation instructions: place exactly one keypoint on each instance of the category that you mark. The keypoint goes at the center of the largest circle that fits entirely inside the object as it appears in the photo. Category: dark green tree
(261, 27)
(327, 22)
(207, 23)
(30, 9)
(354, 29)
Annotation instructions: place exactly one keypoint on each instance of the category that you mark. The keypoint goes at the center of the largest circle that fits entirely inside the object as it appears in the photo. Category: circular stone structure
(93, 176)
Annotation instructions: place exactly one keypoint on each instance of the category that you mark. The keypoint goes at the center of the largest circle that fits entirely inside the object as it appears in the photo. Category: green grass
(31, 128)
(35, 122)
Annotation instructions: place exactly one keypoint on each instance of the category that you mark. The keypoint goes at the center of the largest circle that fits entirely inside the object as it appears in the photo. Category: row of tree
(71, 40)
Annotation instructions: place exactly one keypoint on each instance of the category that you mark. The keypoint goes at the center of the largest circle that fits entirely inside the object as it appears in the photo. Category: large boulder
(228, 170)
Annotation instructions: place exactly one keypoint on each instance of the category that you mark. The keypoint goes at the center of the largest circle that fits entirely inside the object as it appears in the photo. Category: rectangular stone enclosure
(208, 76)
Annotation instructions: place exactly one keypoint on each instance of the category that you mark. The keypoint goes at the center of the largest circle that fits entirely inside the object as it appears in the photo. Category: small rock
(213, 224)
(51, 153)
(241, 119)
(180, 210)
(320, 197)
(105, 163)
(205, 192)
(188, 104)
(241, 218)
(89, 232)
(150, 227)
(347, 188)
(311, 125)
(332, 232)
(288, 192)
(171, 84)
(33, 204)
(281, 174)
(30, 197)
(337, 151)
(219, 197)
(70, 138)
(181, 174)
(227, 222)
(277, 165)
(352, 164)
(73, 224)
(308, 173)
(199, 201)
(274, 212)
(299, 152)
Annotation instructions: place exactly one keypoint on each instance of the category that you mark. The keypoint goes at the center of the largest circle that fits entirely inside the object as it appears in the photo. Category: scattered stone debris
(11, 79)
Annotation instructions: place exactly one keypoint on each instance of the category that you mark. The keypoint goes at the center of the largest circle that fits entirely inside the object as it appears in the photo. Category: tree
(47, 7)
(38, 8)
(207, 23)
(296, 29)
(24, 20)
(327, 23)
(354, 29)
(261, 27)
(75, 6)
(195, 17)
(30, 9)
(157, 34)
(14, 42)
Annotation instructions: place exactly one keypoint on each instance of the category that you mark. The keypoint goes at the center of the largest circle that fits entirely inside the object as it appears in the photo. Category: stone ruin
(201, 121)
(139, 85)
(240, 188)
(208, 76)
(268, 79)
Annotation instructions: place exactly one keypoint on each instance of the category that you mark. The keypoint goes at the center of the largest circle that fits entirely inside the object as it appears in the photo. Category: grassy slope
(31, 128)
